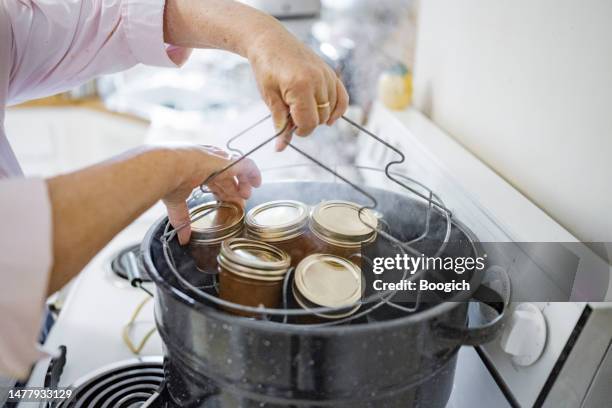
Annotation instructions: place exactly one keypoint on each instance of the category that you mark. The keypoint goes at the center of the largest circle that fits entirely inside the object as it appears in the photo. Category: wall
(527, 87)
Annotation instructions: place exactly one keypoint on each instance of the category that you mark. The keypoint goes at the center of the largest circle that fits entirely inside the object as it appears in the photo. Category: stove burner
(128, 384)
(126, 264)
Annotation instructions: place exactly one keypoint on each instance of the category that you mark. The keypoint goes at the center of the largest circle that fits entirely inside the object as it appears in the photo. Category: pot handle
(477, 335)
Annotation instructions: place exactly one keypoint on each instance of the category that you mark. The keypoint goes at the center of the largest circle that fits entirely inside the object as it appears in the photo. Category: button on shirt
(49, 46)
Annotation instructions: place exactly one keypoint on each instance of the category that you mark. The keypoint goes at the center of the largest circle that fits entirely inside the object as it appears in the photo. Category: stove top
(128, 384)
(126, 264)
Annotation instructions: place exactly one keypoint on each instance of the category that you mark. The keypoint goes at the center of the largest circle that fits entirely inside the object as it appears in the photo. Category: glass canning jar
(339, 230)
(251, 273)
(214, 223)
(324, 280)
(284, 224)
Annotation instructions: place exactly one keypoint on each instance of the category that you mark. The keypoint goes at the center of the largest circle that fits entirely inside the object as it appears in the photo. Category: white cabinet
(48, 141)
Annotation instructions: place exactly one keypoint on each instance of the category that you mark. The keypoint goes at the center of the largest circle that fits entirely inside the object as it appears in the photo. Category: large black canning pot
(214, 359)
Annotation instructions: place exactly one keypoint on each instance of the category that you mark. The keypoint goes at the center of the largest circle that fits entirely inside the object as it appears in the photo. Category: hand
(198, 163)
(120, 189)
(291, 78)
(295, 84)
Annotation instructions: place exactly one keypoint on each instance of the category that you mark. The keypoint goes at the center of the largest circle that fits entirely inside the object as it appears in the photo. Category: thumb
(178, 214)
(280, 116)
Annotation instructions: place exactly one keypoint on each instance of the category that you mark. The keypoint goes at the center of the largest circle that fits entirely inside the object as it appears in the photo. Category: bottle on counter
(395, 87)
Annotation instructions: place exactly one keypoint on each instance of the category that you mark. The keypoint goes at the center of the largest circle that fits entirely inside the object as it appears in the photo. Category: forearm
(90, 206)
(222, 24)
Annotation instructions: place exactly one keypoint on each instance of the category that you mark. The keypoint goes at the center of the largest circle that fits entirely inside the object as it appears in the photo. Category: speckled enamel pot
(214, 359)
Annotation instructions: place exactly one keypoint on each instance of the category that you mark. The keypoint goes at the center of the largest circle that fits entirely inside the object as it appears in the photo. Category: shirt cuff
(26, 248)
(144, 31)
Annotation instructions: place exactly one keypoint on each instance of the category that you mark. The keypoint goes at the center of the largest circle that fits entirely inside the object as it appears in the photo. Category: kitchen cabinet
(51, 140)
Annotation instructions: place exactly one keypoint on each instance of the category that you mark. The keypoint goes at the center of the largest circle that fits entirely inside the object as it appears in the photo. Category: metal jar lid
(338, 223)
(216, 221)
(329, 280)
(253, 259)
(305, 304)
(277, 220)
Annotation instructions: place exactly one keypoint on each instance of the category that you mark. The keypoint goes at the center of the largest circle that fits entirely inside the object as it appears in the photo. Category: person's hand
(295, 84)
(292, 79)
(197, 163)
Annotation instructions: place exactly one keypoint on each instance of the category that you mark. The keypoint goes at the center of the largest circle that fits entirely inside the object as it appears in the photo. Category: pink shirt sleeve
(58, 44)
(24, 264)
(47, 46)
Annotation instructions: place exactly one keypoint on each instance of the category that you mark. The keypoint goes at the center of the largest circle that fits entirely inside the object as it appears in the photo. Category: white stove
(99, 303)
(98, 306)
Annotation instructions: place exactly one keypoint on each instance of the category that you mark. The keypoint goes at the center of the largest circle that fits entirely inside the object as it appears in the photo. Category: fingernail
(278, 125)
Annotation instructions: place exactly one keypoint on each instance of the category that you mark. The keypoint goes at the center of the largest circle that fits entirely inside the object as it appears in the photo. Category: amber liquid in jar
(212, 223)
(251, 273)
(339, 230)
(283, 224)
(248, 292)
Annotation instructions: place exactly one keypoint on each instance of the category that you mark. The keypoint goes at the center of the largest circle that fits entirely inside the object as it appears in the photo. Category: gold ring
(324, 105)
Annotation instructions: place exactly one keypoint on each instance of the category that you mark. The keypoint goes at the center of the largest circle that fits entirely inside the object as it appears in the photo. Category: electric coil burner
(125, 264)
(128, 384)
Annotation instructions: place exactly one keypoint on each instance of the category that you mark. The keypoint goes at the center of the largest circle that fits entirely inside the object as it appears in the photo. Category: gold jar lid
(277, 220)
(253, 259)
(329, 280)
(216, 221)
(338, 223)
(306, 305)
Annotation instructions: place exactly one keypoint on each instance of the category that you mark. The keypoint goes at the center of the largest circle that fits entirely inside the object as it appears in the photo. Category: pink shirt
(48, 46)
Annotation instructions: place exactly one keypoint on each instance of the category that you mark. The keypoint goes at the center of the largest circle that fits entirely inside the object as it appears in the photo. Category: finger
(224, 196)
(253, 173)
(178, 215)
(303, 108)
(280, 117)
(323, 103)
(332, 92)
(244, 186)
(247, 167)
(228, 185)
(341, 104)
(305, 116)
(221, 192)
(283, 141)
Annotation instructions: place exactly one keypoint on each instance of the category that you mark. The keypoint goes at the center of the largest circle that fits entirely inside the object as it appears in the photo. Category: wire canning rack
(367, 304)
